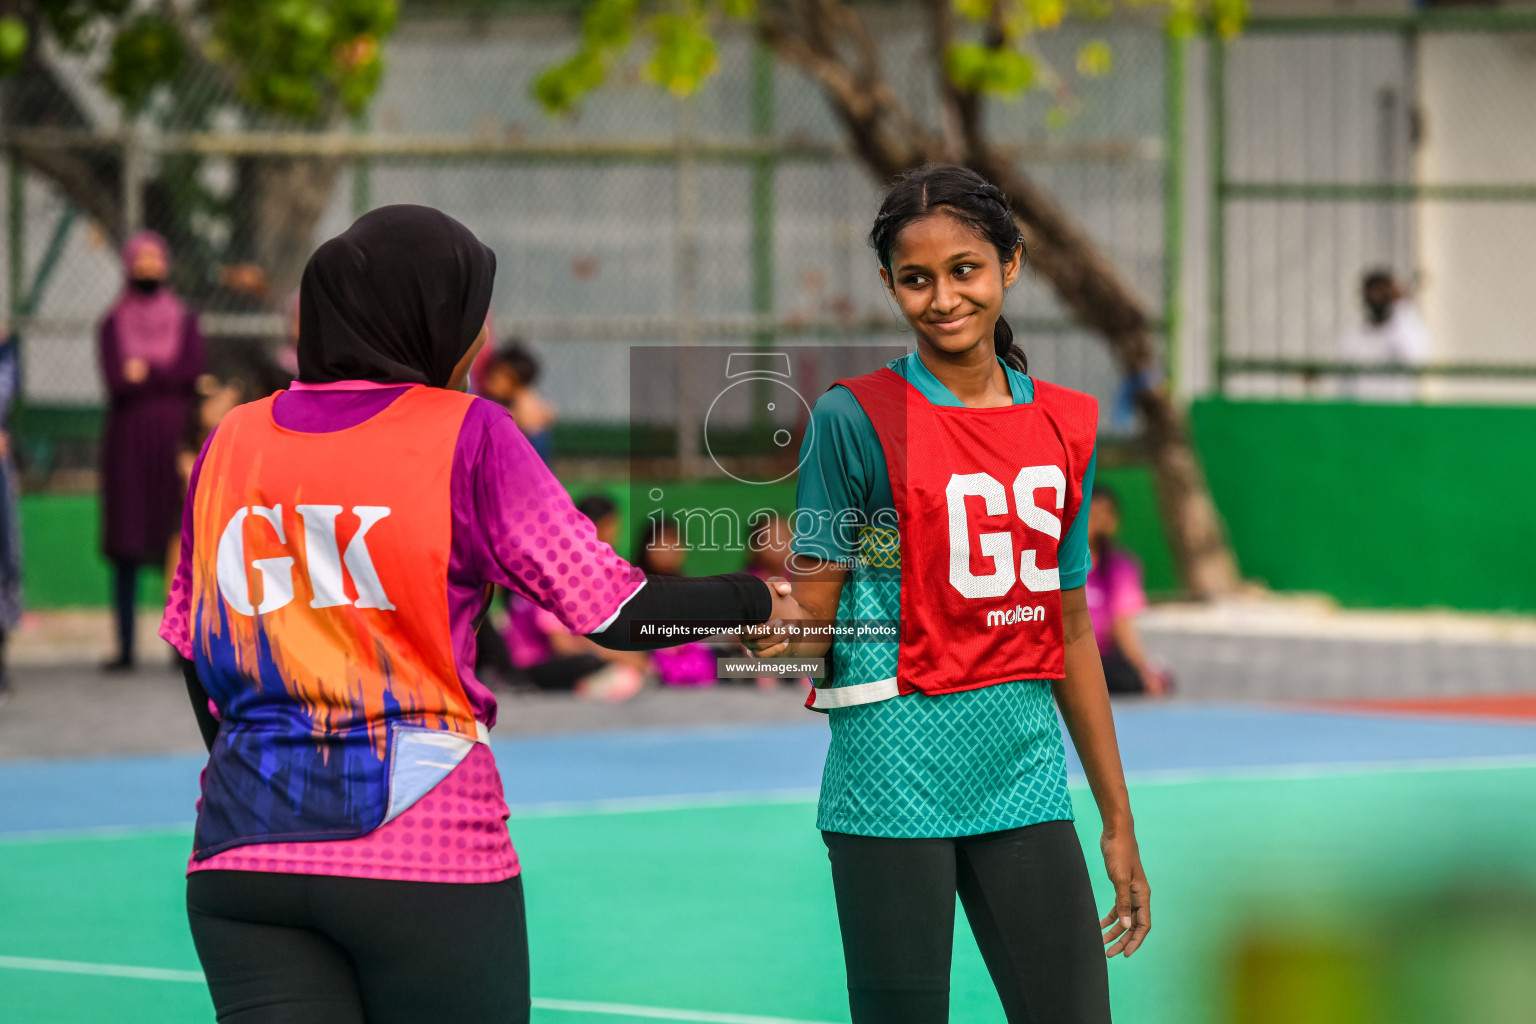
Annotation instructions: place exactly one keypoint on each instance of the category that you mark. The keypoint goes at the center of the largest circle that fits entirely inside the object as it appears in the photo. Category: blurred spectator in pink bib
(1115, 598)
(767, 553)
(768, 547)
(660, 552)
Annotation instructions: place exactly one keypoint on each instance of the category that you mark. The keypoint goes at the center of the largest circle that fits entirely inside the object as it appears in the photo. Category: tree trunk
(281, 199)
(1090, 286)
(88, 178)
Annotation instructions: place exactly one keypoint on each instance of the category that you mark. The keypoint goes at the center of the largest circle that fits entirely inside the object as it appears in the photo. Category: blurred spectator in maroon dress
(151, 356)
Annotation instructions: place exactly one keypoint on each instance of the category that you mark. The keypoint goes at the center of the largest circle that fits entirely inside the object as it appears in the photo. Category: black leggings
(1027, 895)
(125, 593)
(310, 949)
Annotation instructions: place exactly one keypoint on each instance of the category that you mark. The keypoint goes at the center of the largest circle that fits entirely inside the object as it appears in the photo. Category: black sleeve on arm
(735, 597)
(206, 723)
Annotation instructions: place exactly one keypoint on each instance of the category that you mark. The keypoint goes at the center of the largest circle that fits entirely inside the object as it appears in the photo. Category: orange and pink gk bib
(320, 621)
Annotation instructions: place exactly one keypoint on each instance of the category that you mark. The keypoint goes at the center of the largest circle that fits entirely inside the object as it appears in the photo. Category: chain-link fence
(1402, 144)
(737, 216)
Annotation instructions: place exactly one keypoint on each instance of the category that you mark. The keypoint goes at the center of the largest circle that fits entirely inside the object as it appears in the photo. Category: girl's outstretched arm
(1084, 703)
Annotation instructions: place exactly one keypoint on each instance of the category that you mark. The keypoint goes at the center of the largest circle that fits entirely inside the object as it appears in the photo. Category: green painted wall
(1379, 505)
(61, 545)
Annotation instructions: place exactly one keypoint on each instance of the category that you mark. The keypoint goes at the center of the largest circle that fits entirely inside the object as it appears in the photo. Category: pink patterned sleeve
(528, 535)
(176, 626)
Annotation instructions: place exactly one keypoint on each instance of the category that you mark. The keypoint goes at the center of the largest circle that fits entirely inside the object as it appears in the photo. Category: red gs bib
(982, 499)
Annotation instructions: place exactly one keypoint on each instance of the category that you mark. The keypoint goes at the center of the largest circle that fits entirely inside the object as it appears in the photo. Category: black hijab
(397, 298)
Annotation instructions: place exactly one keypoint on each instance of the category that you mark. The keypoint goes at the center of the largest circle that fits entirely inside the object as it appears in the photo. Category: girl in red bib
(942, 527)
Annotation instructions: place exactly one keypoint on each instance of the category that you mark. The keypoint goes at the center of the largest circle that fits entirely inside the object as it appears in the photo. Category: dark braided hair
(971, 199)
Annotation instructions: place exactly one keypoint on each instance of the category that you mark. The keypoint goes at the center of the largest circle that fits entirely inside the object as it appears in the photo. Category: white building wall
(1477, 91)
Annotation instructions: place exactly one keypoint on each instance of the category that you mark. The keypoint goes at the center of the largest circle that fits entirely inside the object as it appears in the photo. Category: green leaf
(1000, 72)
(13, 43)
(973, 10)
(1098, 10)
(1046, 13)
(684, 55)
(146, 52)
(609, 23)
(304, 59)
(560, 88)
(741, 10)
(1227, 16)
(1094, 59)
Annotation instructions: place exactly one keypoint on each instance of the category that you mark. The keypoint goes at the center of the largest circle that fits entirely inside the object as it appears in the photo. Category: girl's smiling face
(949, 282)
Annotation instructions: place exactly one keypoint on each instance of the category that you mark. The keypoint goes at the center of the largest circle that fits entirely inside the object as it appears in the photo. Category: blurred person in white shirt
(1391, 334)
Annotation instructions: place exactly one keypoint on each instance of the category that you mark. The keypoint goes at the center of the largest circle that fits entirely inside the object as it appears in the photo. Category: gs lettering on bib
(982, 499)
(320, 621)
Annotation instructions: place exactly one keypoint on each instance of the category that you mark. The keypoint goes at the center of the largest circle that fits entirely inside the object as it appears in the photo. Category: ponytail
(1009, 352)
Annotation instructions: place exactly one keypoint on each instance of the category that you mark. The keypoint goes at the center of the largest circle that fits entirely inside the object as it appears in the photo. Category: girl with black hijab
(351, 860)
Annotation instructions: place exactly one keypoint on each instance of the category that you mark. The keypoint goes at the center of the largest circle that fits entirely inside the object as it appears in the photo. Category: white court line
(99, 832)
(27, 963)
(662, 1013)
(1320, 770)
(1156, 777)
(637, 805)
(24, 963)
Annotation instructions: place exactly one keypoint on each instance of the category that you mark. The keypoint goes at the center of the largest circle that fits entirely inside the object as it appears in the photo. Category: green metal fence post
(1216, 58)
(16, 233)
(764, 166)
(362, 171)
(1173, 203)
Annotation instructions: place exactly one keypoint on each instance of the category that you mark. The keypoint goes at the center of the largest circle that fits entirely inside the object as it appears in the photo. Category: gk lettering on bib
(982, 499)
(320, 621)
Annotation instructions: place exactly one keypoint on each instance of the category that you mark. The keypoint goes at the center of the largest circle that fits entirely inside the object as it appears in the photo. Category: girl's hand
(1125, 926)
(135, 370)
(772, 644)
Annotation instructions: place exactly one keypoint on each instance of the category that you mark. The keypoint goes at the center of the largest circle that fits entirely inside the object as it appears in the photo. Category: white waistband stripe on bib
(859, 693)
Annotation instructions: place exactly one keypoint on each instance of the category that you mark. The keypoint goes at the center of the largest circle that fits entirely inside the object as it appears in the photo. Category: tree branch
(37, 98)
(1088, 284)
(861, 99)
(952, 115)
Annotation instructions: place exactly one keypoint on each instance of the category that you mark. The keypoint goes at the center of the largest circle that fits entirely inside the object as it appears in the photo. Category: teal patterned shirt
(957, 764)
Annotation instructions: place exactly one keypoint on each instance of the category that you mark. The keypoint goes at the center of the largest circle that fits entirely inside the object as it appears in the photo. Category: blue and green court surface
(1304, 863)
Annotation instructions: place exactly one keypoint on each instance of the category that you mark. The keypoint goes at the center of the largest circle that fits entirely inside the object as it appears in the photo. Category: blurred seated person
(552, 658)
(508, 380)
(767, 555)
(660, 552)
(1115, 596)
(1391, 333)
(768, 548)
(240, 370)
